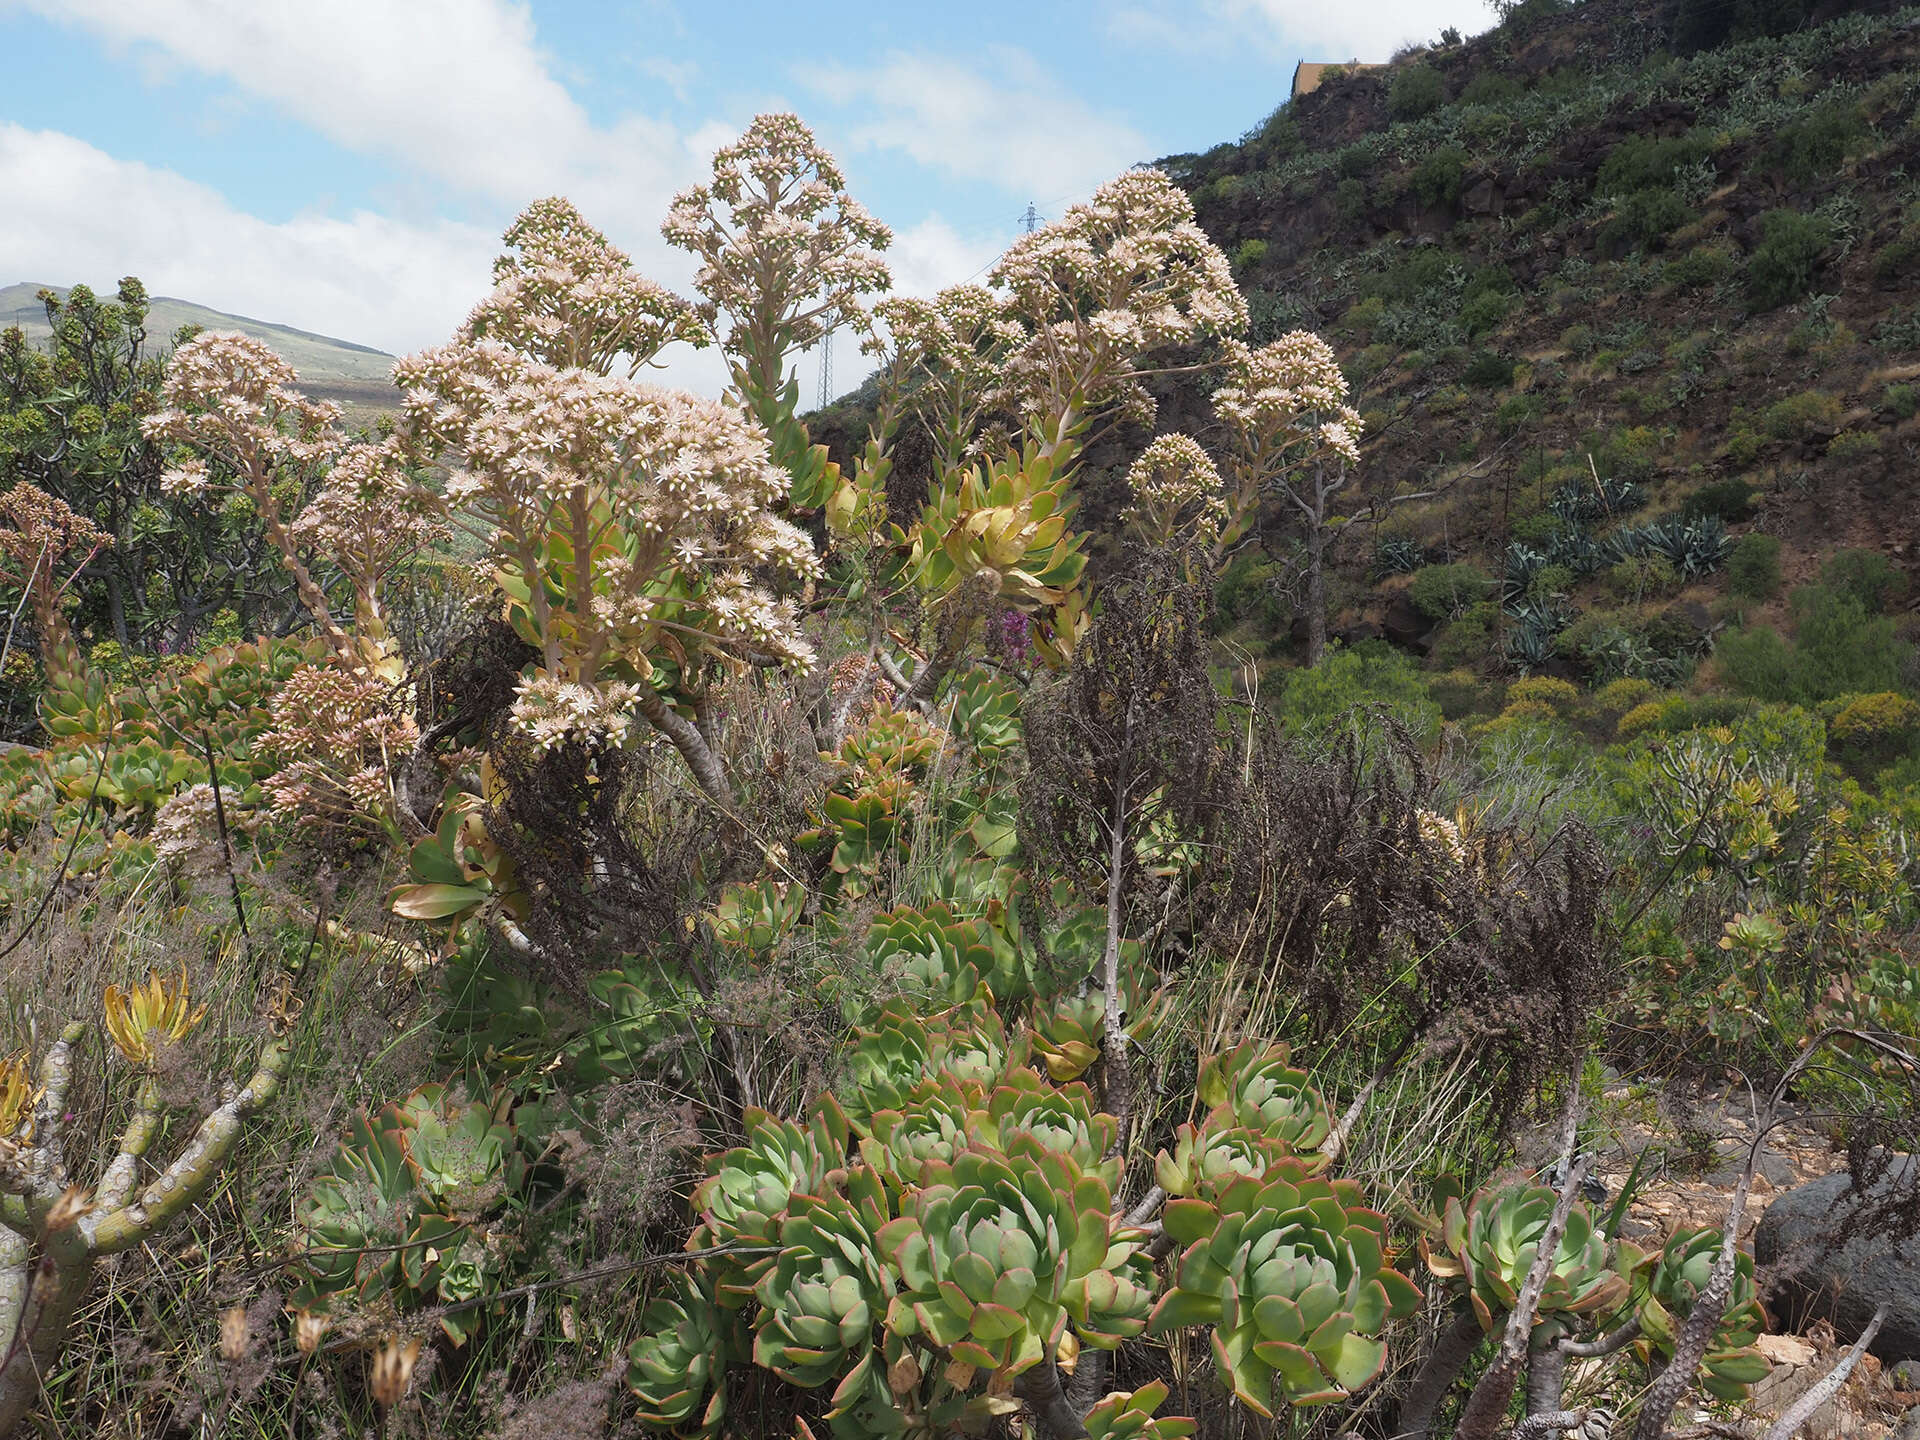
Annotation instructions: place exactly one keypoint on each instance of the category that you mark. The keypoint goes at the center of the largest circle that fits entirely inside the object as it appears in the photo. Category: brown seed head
(392, 1368)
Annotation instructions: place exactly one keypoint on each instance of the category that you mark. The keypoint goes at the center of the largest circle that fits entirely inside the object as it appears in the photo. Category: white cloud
(75, 213)
(1019, 129)
(1297, 29)
(933, 255)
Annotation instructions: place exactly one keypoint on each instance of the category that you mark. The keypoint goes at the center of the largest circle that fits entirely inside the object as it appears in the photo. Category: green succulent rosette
(936, 1120)
(747, 1191)
(677, 1369)
(997, 1254)
(1129, 1415)
(1064, 1120)
(1217, 1152)
(826, 1293)
(1291, 1273)
(888, 1062)
(937, 953)
(1664, 1285)
(1489, 1242)
(1262, 1090)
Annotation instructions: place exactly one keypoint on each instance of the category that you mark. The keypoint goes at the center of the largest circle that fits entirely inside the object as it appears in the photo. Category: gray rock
(1843, 1283)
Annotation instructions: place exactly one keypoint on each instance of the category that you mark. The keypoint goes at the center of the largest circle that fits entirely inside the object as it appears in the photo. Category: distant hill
(319, 360)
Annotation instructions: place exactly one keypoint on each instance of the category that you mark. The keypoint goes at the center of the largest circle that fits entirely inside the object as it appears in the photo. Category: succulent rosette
(1261, 1090)
(1665, 1284)
(936, 1121)
(827, 1291)
(938, 953)
(1063, 1120)
(1291, 1273)
(1128, 1415)
(1489, 1242)
(747, 1191)
(1207, 1156)
(677, 1369)
(996, 1253)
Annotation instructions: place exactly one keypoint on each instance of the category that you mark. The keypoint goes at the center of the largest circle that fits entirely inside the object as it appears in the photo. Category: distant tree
(70, 424)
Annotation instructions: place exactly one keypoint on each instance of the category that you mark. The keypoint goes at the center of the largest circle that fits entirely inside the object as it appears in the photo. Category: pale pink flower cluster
(639, 520)
(570, 298)
(233, 403)
(1176, 491)
(1289, 393)
(232, 399)
(955, 347)
(1125, 274)
(186, 828)
(785, 251)
(553, 711)
(337, 737)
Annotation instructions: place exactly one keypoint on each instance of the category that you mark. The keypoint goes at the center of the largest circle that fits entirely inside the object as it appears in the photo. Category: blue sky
(347, 165)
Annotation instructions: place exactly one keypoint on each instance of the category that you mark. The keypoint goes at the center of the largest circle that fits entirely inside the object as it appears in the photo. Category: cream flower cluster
(231, 398)
(785, 251)
(570, 298)
(955, 347)
(553, 711)
(369, 515)
(337, 737)
(1127, 273)
(636, 523)
(1292, 393)
(1176, 489)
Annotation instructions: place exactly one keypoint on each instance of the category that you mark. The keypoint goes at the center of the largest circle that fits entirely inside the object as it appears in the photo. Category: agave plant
(1489, 1242)
(151, 1015)
(1523, 563)
(1665, 1284)
(1258, 1087)
(1290, 1271)
(998, 1254)
(1529, 648)
(677, 1368)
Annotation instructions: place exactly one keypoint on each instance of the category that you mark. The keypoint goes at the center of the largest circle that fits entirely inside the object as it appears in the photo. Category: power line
(826, 368)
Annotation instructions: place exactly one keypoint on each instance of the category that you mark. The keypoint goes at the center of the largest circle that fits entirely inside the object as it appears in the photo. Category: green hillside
(319, 359)
(1606, 295)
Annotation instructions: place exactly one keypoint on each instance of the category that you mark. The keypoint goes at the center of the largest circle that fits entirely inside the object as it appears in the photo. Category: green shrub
(1758, 661)
(1707, 24)
(1488, 370)
(1250, 254)
(1350, 199)
(1840, 647)
(1640, 163)
(1853, 445)
(1467, 640)
(1315, 700)
(1490, 87)
(1753, 568)
(1814, 145)
(1639, 576)
(1866, 575)
(1642, 220)
(1700, 267)
(1483, 128)
(1577, 339)
(1873, 731)
(1558, 696)
(1896, 260)
(1743, 445)
(1900, 401)
(1484, 312)
(1416, 90)
(1731, 499)
(1800, 417)
(1460, 693)
(1355, 162)
(1782, 266)
(1442, 592)
(1517, 412)
(1438, 178)
(1616, 697)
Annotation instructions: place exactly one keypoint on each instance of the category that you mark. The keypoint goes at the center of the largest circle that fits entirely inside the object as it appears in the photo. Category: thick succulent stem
(692, 745)
(1546, 1378)
(116, 1182)
(1451, 1351)
(187, 1178)
(53, 1295)
(1117, 1067)
(1040, 1388)
(1539, 1425)
(1690, 1348)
